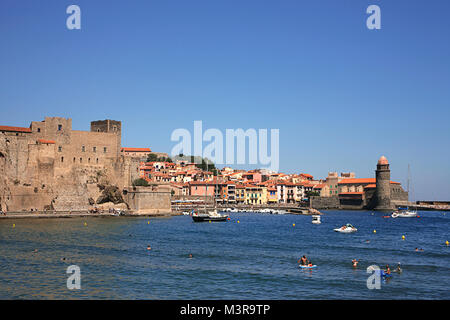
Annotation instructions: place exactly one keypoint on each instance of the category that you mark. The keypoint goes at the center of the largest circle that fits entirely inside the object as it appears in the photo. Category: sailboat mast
(206, 197)
(409, 177)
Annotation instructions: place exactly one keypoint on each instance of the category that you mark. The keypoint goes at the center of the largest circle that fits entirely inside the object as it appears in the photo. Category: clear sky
(340, 94)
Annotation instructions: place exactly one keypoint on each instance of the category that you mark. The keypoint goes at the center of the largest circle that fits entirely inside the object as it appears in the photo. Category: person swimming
(388, 270)
(149, 248)
(303, 261)
(399, 269)
(355, 263)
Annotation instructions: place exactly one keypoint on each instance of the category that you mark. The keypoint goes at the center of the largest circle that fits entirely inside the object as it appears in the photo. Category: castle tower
(383, 188)
(110, 126)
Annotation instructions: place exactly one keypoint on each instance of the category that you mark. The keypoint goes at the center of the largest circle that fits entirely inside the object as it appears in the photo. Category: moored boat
(404, 213)
(348, 228)
(316, 219)
(212, 216)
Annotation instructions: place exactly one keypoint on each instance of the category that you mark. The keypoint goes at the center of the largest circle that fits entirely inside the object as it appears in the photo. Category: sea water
(253, 259)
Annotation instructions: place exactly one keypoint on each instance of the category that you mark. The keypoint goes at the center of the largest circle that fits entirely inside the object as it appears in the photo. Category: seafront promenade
(76, 214)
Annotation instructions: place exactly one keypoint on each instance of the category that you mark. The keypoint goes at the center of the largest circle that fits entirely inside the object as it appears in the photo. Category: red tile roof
(135, 150)
(358, 181)
(15, 129)
(361, 181)
(46, 141)
(351, 193)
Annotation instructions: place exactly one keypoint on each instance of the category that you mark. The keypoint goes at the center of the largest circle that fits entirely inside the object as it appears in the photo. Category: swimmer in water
(149, 248)
(355, 263)
(388, 270)
(303, 261)
(190, 255)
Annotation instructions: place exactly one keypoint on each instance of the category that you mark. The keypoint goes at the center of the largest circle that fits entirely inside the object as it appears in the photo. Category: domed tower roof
(383, 160)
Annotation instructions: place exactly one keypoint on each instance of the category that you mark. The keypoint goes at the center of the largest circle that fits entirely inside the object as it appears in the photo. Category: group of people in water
(305, 262)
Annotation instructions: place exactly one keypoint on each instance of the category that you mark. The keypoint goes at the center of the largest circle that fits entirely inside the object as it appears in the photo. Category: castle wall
(143, 200)
(331, 202)
(64, 171)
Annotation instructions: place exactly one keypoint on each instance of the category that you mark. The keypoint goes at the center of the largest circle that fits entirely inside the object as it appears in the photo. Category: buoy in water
(293, 224)
(238, 221)
(148, 222)
(374, 231)
(14, 225)
(446, 242)
(403, 237)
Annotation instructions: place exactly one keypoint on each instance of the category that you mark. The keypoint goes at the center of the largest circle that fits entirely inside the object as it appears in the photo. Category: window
(89, 160)
(81, 160)
(104, 149)
(59, 127)
(97, 160)
(59, 149)
(73, 160)
(94, 149)
(38, 129)
(62, 159)
(83, 149)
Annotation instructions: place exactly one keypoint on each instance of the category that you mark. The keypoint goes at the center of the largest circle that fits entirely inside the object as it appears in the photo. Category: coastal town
(48, 167)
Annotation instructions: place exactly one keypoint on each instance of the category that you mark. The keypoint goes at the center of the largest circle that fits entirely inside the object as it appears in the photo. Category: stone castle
(50, 166)
(379, 193)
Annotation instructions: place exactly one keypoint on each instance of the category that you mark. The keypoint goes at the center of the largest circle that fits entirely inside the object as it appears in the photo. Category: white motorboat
(348, 228)
(404, 213)
(210, 216)
(316, 219)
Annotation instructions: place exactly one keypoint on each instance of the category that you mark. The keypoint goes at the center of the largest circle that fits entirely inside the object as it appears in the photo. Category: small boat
(117, 213)
(316, 219)
(404, 213)
(348, 228)
(186, 213)
(307, 267)
(384, 275)
(212, 216)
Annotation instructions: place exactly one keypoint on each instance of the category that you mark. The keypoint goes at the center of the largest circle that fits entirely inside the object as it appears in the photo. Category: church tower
(383, 188)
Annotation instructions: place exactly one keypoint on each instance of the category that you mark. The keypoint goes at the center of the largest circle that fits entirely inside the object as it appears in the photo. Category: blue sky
(340, 94)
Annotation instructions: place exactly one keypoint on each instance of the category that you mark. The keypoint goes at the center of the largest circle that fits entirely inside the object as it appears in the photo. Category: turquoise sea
(253, 259)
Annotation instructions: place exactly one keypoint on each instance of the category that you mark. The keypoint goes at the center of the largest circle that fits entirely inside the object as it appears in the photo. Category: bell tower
(383, 185)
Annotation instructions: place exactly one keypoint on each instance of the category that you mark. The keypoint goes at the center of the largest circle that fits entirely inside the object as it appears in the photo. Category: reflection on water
(255, 259)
